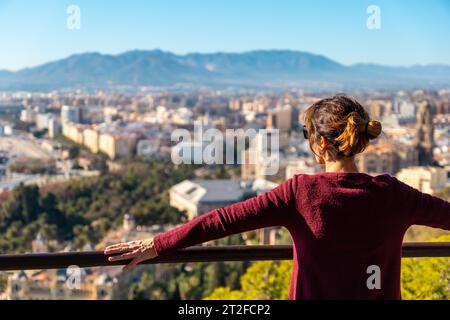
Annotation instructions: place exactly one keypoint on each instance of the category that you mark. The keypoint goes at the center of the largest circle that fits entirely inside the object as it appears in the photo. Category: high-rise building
(424, 141)
(280, 118)
(262, 158)
(42, 120)
(27, 115)
(407, 111)
(54, 127)
(375, 110)
(70, 114)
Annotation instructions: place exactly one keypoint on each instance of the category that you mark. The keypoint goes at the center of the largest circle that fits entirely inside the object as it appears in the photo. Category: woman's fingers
(137, 250)
(125, 256)
(121, 247)
(123, 244)
(133, 263)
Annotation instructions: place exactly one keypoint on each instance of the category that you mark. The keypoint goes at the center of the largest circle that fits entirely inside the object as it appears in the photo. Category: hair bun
(373, 128)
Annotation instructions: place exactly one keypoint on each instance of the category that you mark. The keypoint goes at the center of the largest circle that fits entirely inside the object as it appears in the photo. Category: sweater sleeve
(273, 208)
(424, 209)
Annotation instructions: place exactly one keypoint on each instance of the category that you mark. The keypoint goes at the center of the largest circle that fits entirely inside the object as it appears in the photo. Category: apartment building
(91, 139)
(117, 146)
(426, 179)
(73, 131)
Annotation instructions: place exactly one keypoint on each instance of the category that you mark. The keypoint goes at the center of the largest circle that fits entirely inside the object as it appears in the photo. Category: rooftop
(224, 190)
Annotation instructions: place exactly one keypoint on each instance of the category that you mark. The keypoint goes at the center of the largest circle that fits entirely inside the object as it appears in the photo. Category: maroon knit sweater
(340, 224)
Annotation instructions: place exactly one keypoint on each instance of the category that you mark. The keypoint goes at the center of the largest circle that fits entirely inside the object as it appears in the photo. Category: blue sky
(412, 32)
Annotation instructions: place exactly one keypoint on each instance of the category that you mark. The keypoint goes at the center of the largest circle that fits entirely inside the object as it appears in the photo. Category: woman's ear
(324, 144)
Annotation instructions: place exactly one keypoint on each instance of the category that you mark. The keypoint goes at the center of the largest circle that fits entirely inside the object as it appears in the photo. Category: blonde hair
(343, 122)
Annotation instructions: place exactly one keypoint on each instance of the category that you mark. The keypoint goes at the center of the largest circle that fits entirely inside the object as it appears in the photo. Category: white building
(196, 197)
(27, 115)
(199, 196)
(42, 120)
(54, 127)
(426, 179)
(70, 114)
(109, 114)
(7, 130)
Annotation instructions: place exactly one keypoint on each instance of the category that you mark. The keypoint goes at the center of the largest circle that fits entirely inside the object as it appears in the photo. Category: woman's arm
(273, 208)
(424, 209)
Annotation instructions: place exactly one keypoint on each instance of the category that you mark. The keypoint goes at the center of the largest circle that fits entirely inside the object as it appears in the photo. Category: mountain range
(270, 69)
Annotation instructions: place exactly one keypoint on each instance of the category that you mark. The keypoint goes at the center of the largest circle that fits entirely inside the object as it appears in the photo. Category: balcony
(36, 261)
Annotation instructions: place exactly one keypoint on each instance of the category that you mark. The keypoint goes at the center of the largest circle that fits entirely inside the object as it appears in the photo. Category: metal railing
(59, 260)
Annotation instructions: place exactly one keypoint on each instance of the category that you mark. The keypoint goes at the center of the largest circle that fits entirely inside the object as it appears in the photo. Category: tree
(3, 281)
(221, 172)
(103, 166)
(426, 278)
(23, 205)
(150, 288)
(84, 235)
(74, 151)
(84, 210)
(264, 280)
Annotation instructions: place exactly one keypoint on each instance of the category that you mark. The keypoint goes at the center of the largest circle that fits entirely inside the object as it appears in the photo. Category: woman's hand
(137, 250)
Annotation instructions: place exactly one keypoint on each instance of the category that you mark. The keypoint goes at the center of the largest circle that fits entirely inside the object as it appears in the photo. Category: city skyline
(411, 33)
